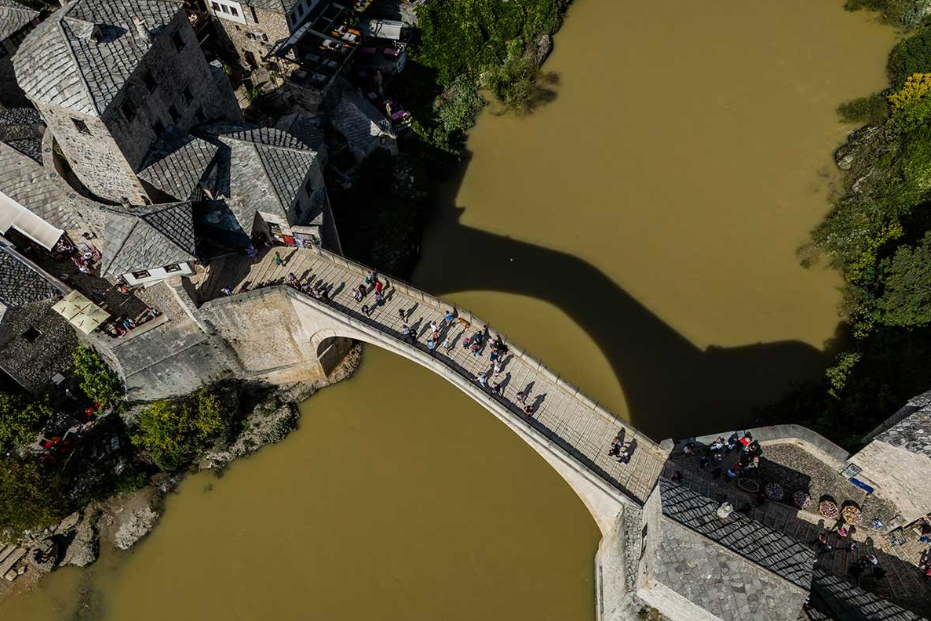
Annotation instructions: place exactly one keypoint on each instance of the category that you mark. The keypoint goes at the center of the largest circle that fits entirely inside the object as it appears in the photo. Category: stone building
(272, 185)
(254, 26)
(110, 77)
(897, 462)
(144, 246)
(15, 23)
(362, 125)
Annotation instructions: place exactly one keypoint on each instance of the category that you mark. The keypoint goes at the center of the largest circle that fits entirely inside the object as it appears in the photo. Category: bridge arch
(329, 330)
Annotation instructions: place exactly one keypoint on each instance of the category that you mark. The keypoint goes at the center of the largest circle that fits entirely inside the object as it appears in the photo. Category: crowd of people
(718, 454)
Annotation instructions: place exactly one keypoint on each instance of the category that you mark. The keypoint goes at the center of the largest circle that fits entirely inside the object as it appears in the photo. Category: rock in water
(135, 527)
(83, 548)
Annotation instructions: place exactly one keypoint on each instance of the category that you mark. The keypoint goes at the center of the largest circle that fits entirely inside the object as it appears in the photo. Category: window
(172, 268)
(216, 7)
(158, 128)
(173, 112)
(141, 274)
(255, 16)
(234, 12)
(223, 8)
(81, 126)
(31, 335)
(150, 83)
(187, 95)
(178, 40)
(128, 110)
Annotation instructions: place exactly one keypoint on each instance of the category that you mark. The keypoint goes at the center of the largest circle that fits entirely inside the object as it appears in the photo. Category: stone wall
(650, 534)
(899, 476)
(174, 71)
(616, 567)
(94, 157)
(260, 32)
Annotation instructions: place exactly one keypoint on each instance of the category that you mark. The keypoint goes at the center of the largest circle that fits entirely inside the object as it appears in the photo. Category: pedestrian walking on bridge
(279, 262)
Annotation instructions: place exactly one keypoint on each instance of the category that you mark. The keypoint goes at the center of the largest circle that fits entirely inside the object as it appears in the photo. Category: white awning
(14, 215)
(382, 28)
(81, 312)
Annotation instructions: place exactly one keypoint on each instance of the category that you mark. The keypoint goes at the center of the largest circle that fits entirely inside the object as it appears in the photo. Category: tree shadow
(672, 387)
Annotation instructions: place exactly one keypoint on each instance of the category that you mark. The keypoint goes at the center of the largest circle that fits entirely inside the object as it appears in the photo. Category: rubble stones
(135, 527)
(83, 548)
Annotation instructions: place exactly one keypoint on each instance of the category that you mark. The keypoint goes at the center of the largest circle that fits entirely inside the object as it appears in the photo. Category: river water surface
(639, 234)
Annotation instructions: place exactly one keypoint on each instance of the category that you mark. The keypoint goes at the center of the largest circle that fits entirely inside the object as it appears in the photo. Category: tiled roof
(765, 547)
(27, 183)
(13, 17)
(913, 432)
(62, 63)
(303, 127)
(848, 602)
(359, 121)
(142, 239)
(177, 162)
(20, 284)
(278, 6)
(711, 577)
(17, 129)
(260, 169)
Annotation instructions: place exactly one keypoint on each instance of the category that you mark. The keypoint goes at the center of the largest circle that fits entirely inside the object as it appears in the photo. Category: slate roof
(17, 129)
(848, 602)
(260, 169)
(143, 239)
(14, 17)
(359, 121)
(278, 6)
(27, 183)
(771, 550)
(913, 432)
(710, 576)
(303, 127)
(61, 63)
(177, 163)
(20, 284)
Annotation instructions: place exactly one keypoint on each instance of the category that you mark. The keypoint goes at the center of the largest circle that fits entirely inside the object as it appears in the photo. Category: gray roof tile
(14, 17)
(60, 63)
(177, 162)
(27, 183)
(143, 239)
(20, 284)
(359, 121)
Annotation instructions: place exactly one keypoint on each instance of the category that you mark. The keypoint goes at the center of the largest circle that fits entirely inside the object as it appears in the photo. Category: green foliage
(459, 106)
(838, 374)
(20, 419)
(174, 433)
(907, 13)
(521, 86)
(910, 56)
(871, 109)
(98, 382)
(31, 494)
(906, 300)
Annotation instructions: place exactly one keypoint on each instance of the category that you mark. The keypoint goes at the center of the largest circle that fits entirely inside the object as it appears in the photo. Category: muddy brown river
(639, 234)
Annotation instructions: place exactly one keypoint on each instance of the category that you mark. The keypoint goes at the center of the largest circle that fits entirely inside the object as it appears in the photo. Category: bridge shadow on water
(672, 387)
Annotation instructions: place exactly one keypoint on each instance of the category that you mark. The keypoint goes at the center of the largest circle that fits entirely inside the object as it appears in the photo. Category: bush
(174, 433)
(31, 494)
(907, 13)
(20, 419)
(911, 105)
(872, 109)
(908, 57)
(906, 300)
(98, 382)
(521, 86)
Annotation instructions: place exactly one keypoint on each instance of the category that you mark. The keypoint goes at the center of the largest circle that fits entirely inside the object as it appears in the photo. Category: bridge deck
(565, 417)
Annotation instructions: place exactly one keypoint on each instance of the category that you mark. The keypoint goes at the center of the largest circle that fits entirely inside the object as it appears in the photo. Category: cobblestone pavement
(565, 417)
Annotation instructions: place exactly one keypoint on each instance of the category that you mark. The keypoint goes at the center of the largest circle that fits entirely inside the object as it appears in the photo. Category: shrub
(910, 56)
(872, 109)
(521, 86)
(20, 419)
(911, 105)
(906, 300)
(173, 433)
(908, 13)
(98, 382)
(31, 494)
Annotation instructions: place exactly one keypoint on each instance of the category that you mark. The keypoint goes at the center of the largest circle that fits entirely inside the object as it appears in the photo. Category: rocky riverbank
(120, 522)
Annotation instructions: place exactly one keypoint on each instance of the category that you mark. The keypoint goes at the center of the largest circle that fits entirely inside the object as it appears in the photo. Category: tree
(173, 433)
(98, 382)
(31, 494)
(20, 419)
(906, 299)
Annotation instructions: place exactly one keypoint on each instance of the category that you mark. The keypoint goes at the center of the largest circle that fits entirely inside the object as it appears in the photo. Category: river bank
(119, 522)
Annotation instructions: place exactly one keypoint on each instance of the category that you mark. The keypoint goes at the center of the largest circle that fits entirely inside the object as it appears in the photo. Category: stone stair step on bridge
(565, 416)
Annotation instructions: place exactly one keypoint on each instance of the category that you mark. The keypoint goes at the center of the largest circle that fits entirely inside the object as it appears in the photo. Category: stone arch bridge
(568, 429)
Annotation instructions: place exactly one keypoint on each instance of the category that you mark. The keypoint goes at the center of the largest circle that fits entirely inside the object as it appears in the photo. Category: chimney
(142, 33)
